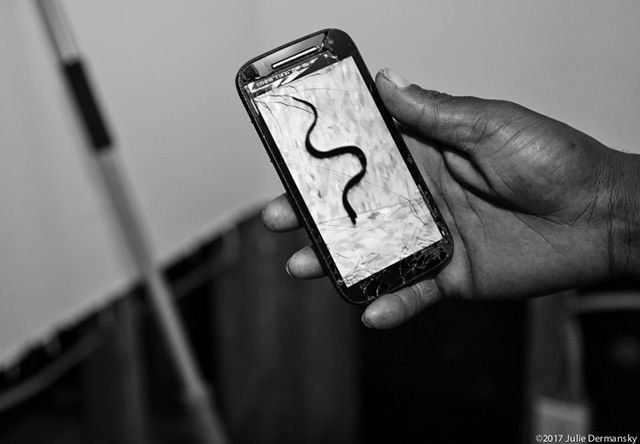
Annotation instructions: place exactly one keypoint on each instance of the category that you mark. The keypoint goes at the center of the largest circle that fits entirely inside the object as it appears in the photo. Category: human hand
(534, 206)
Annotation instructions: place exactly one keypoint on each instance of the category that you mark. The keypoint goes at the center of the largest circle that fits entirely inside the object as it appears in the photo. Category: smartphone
(370, 217)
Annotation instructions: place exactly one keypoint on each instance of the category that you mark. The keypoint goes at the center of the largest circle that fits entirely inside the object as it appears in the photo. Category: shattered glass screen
(368, 209)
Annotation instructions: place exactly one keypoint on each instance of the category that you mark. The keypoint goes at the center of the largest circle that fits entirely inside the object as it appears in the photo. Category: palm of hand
(518, 199)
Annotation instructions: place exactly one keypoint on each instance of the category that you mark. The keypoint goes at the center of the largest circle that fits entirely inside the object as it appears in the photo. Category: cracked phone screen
(333, 140)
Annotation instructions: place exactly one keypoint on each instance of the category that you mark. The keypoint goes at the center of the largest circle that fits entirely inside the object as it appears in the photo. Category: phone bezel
(397, 275)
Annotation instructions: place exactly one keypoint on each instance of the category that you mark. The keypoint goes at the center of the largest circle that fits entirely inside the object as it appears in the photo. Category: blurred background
(80, 355)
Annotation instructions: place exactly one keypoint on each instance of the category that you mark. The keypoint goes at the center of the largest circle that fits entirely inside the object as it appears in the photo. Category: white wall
(576, 60)
(165, 71)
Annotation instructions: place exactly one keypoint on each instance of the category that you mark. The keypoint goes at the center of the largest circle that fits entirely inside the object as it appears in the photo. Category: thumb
(432, 114)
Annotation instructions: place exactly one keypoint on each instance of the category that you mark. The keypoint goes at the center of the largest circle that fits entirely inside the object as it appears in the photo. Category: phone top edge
(319, 38)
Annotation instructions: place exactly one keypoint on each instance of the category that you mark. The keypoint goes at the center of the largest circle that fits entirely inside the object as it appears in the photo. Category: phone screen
(334, 142)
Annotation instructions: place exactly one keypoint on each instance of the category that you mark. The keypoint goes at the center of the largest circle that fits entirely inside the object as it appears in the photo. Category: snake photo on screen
(368, 209)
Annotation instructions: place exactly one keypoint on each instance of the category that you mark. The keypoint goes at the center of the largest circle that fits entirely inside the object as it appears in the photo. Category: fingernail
(364, 321)
(396, 78)
(288, 268)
